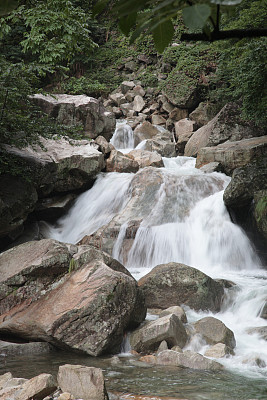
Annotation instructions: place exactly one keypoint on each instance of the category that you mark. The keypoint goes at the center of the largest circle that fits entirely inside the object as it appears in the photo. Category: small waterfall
(187, 223)
(123, 137)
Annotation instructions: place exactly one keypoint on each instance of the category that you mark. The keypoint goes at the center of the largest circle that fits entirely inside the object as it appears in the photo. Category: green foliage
(84, 85)
(6, 6)
(72, 265)
(55, 31)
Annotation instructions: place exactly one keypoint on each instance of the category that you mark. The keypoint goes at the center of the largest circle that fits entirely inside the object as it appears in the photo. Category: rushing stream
(188, 223)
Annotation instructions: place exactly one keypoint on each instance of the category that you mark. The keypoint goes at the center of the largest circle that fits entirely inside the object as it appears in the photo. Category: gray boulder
(59, 165)
(75, 110)
(225, 126)
(214, 331)
(168, 328)
(82, 382)
(219, 350)
(175, 284)
(118, 162)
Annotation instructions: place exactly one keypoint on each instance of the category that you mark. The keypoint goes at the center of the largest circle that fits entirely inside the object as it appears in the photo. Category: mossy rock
(260, 211)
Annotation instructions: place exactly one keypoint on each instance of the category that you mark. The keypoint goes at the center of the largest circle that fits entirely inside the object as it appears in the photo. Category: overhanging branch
(222, 35)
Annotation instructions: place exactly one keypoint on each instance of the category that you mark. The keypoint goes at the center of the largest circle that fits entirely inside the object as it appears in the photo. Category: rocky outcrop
(78, 303)
(168, 328)
(175, 284)
(59, 166)
(75, 110)
(82, 382)
(232, 155)
(187, 359)
(214, 331)
(225, 126)
(17, 200)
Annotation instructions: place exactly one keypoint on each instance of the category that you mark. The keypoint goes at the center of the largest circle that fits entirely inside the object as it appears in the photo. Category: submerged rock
(187, 359)
(174, 284)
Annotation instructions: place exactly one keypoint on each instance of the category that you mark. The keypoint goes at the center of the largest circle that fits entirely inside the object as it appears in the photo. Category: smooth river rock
(187, 359)
(214, 331)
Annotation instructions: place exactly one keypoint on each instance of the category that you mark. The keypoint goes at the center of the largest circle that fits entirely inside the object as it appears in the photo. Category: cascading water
(187, 223)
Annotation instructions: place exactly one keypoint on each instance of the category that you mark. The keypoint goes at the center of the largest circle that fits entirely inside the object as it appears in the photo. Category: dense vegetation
(56, 45)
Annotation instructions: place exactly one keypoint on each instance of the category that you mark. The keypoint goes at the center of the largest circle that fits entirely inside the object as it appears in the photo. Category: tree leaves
(163, 35)
(126, 23)
(6, 6)
(195, 17)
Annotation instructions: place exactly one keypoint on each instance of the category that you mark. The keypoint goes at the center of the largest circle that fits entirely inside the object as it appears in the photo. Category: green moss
(261, 209)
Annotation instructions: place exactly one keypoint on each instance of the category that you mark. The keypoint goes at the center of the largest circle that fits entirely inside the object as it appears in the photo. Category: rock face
(118, 162)
(214, 331)
(83, 305)
(187, 359)
(233, 155)
(82, 382)
(246, 200)
(219, 350)
(175, 284)
(81, 109)
(226, 125)
(17, 200)
(149, 336)
(61, 166)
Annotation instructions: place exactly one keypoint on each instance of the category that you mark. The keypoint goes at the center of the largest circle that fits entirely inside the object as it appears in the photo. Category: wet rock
(162, 144)
(59, 166)
(17, 349)
(212, 167)
(260, 331)
(147, 158)
(175, 310)
(52, 208)
(149, 359)
(138, 103)
(254, 361)
(214, 331)
(187, 359)
(174, 284)
(82, 382)
(263, 313)
(17, 201)
(149, 336)
(75, 110)
(84, 308)
(233, 155)
(118, 162)
(225, 126)
(219, 350)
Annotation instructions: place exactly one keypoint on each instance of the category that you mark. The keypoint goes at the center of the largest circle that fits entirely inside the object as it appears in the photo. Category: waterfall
(123, 137)
(187, 223)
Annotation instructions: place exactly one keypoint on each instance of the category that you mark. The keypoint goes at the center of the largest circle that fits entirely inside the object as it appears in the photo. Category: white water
(188, 223)
(123, 137)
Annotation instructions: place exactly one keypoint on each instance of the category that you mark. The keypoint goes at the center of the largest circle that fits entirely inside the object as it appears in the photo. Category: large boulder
(144, 131)
(232, 155)
(187, 359)
(82, 382)
(225, 126)
(175, 284)
(75, 110)
(78, 303)
(149, 336)
(59, 165)
(183, 131)
(17, 200)
(214, 331)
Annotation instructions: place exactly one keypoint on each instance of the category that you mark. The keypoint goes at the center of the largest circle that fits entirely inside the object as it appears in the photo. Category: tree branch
(221, 35)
